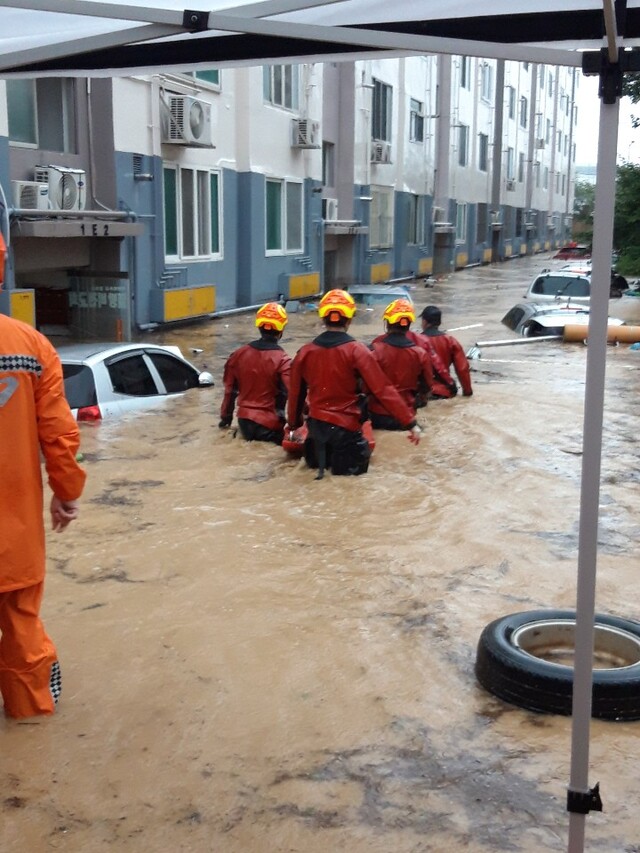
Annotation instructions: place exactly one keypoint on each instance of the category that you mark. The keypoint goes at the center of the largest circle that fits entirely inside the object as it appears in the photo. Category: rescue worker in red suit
(327, 374)
(257, 374)
(35, 419)
(445, 352)
(406, 365)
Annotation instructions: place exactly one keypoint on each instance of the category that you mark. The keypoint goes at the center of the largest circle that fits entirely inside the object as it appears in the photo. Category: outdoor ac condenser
(30, 195)
(67, 187)
(186, 121)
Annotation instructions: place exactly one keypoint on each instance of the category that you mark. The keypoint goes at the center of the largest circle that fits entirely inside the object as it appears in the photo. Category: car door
(175, 375)
(131, 384)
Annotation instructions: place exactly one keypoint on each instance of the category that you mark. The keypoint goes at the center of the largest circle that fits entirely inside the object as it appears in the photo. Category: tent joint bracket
(581, 802)
(195, 22)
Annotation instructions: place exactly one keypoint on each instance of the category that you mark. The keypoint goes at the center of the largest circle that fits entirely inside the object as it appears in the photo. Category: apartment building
(134, 202)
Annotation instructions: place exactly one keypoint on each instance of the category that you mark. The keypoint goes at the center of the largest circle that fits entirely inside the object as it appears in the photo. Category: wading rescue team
(335, 383)
(329, 389)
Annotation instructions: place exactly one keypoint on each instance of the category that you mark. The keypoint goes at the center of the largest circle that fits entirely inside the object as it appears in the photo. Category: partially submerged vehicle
(532, 320)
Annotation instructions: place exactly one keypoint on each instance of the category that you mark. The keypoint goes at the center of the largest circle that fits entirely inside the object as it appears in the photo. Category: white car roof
(90, 353)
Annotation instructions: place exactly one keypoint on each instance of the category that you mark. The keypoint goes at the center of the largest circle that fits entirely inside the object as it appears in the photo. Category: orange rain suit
(34, 418)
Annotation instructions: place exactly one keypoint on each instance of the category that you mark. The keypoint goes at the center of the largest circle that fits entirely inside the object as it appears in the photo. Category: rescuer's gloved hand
(225, 423)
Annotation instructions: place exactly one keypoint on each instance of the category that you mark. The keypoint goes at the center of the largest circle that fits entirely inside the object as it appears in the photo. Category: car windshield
(564, 285)
(79, 387)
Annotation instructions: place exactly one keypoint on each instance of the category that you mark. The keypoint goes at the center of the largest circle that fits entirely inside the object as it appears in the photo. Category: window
(483, 222)
(523, 111)
(283, 200)
(559, 140)
(520, 167)
(328, 164)
(563, 184)
(415, 220)
(416, 121)
(280, 85)
(175, 375)
(511, 102)
(511, 164)
(465, 72)
(486, 82)
(461, 223)
(130, 375)
(42, 113)
(463, 145)
(381, 111)
(541, 76)
(547, 137)
(191, 212)
(545, 178)
(381, 224)
(483, 152)
(550, 82)
(212, 77)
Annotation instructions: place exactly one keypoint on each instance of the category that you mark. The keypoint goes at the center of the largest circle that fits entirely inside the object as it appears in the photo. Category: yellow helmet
(338, 303)
(399, 312)
(271, 317)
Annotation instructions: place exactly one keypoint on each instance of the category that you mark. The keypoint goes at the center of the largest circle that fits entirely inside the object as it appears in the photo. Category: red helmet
(271, 317)
(399, 312)
(336, 304)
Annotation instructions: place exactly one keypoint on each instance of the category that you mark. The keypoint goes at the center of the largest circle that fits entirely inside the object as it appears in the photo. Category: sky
(587, 135)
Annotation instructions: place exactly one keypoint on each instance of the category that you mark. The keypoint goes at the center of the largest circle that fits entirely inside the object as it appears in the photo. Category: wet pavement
(254, 661)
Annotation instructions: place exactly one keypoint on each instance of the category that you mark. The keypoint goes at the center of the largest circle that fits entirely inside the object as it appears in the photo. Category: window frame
(206, 229)
(381, 110)
(286, 218)
(483, 152)
(416, 120)
(274, 77)
(39, 92)
(462, 214)
(381, 221)
(463, 145)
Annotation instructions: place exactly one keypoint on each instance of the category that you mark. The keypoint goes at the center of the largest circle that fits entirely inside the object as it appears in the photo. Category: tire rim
(553, 641)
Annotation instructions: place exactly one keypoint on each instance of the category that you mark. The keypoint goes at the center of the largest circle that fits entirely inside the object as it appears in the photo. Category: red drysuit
(329, 369)
(407, 366)
(34, 418)
(449, 352)
(258, 375)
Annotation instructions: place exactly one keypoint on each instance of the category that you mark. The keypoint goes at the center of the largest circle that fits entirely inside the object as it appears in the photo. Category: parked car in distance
(533, 320)
(571, 282)
(573, 250)
(378, 294)
(102, 379)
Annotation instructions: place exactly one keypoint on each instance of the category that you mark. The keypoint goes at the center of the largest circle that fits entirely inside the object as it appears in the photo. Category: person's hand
(225, 423)
(415, 434)
(62, 513)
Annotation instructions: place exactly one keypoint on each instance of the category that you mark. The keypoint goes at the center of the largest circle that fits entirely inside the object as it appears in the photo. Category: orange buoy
(615, 334)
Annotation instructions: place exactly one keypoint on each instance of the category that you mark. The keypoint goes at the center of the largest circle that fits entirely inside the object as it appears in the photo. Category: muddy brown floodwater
(257, 662)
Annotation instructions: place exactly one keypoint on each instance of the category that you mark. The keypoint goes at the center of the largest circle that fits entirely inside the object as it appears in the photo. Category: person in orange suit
(35, 419)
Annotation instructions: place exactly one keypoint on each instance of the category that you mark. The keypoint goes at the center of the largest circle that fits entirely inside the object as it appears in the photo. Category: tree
(626, 225)
(631, 90)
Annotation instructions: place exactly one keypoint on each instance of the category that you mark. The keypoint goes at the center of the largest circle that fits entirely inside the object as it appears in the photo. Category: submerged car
(572, 282)
(378, 294)
(533, 320)
(573, 250)
(102, 380)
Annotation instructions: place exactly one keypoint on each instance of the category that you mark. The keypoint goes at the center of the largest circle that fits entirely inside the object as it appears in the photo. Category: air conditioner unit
(330, 208)
(551, 221)
(437, 214)
(67, 187)
(305, 133)
(510, 186)
(380, 152)
(496, 217)
(540, 143)
(186, 121)
(30, 195)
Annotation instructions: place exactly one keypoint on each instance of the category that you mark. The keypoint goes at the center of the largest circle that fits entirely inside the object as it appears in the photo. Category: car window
(79, 386)
(564, 285)
(176, 375)
(513, 317)
(130, 375)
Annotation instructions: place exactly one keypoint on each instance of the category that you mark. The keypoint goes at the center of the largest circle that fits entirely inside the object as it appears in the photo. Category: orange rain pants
(29, 669)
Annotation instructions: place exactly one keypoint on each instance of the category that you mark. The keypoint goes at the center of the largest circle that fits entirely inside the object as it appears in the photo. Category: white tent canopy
(91, 38)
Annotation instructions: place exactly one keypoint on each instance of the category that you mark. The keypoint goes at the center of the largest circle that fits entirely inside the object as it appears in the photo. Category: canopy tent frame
(149, 37)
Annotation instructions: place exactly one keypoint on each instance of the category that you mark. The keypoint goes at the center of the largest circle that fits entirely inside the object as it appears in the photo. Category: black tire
(506, 668)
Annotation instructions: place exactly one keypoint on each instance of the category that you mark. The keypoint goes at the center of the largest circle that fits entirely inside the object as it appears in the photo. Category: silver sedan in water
(102, 380)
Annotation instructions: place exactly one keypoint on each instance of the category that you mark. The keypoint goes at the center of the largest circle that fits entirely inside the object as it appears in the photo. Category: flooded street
(257, 662)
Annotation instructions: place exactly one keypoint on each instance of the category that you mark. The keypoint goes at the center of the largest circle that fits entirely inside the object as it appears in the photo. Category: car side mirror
(206, 379)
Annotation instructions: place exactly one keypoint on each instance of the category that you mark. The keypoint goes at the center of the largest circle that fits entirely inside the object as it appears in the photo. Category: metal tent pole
(580, 798)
